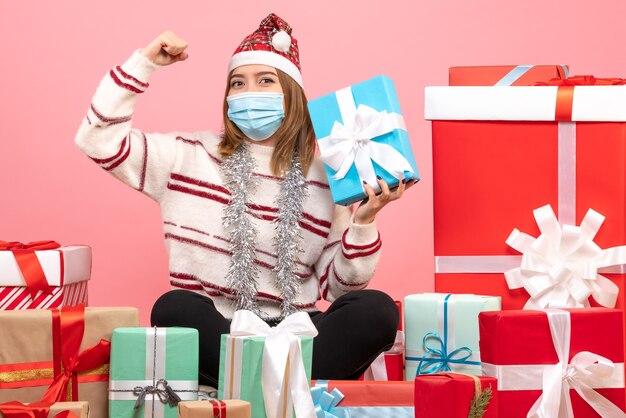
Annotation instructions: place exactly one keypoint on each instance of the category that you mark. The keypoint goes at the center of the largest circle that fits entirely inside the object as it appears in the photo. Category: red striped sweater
(181, 171)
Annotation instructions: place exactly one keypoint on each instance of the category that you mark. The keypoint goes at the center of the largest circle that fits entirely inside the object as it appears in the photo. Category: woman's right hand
(166, 49)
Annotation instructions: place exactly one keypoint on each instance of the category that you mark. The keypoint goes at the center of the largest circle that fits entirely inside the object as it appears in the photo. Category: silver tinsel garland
(243, 273)
(289, 201)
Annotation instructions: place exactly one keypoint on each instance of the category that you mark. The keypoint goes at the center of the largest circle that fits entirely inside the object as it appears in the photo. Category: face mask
(257, 114)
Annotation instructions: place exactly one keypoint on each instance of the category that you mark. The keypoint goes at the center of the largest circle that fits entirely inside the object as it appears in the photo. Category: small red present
(560, 362)
(456, 395)
(390, 364)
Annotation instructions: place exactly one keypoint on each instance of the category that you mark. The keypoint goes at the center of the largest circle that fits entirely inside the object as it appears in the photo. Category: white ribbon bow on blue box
(361, 135)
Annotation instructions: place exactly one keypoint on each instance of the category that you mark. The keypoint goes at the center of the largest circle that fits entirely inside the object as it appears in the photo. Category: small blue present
(361, 134)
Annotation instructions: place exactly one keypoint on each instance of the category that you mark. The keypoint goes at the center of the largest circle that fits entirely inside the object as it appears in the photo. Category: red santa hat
(271, 44)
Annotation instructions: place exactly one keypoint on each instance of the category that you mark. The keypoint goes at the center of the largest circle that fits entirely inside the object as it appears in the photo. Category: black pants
(354, 330)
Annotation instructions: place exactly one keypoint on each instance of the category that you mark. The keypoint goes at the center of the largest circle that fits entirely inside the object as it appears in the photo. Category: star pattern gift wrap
(152, 369)
(59, 355)
(268, 367)
(455, 395)
(555, 363)
(505, 75)
(213, 408)
(43, 274)
(442, 332)
(44, 410)
(362, 399)
(500, 153)
(361, 134)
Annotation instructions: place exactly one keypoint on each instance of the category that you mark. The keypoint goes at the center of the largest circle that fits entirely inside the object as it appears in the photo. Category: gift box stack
(522, 324)
(528, 172)
(59, 358)
(518, 286)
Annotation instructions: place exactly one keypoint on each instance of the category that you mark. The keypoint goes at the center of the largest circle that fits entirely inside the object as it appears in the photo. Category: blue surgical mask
(257, 114)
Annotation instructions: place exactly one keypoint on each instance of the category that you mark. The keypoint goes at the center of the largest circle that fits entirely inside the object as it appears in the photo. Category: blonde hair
(295, 133)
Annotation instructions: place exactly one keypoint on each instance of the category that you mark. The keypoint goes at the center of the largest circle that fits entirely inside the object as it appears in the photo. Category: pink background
(54, 54)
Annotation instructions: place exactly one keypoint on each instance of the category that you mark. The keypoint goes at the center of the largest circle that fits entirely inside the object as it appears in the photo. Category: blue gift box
(328, 113)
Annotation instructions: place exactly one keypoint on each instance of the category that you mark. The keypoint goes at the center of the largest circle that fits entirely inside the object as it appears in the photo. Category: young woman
(248, 216)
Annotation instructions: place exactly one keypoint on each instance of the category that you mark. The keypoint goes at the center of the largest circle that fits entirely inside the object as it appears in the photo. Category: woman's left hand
(373, 203)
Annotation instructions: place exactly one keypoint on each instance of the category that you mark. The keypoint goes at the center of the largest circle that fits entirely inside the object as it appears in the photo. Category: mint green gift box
(241, 366)
(441, 332)
(150, 363)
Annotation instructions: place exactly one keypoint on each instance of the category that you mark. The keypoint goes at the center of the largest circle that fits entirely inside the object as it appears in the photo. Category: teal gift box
(441, 332)
(241, 368)
(151, 369)
(361, 134)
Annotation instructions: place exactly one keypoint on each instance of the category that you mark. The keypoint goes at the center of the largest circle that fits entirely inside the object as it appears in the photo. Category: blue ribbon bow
(325, 403)
(438, 360)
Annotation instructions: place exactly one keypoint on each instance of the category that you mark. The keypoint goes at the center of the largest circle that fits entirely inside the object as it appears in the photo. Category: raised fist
(166, 49)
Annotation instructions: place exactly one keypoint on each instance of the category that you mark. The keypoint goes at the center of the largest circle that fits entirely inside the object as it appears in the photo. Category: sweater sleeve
(349, 257)
(141, 160)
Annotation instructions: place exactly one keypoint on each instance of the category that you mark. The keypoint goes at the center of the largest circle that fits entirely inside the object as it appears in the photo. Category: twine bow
(162, 389)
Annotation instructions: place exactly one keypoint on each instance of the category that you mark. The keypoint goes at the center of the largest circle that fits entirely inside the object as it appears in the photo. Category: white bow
(350, 143)
(284, 378)
(580, 375)
(559, 269)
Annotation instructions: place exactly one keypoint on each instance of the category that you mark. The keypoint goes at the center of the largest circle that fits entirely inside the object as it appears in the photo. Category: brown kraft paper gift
(26, 354)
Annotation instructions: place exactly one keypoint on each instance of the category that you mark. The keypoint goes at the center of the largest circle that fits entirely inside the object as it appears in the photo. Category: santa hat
(271, 44)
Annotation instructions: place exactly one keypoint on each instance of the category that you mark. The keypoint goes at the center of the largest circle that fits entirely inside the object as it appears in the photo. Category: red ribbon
(33, 410)
(29, 264)
(219, 408)
(565, 92)
(68, 327)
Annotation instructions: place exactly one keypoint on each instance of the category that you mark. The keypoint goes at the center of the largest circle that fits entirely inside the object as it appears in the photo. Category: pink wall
(54, 54)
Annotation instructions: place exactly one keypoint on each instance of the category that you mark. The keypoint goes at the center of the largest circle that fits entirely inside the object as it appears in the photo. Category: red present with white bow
(389, 365)
(555, 363)
(43, 274)
(501, 152)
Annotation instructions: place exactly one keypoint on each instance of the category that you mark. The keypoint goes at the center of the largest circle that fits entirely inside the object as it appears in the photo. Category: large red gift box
(491, 75)
(450, 395)
(501, 152)
(43, 275)
(519, 347)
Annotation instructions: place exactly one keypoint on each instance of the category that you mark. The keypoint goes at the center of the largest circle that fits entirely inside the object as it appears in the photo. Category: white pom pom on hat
(270, 44)
(281, 41)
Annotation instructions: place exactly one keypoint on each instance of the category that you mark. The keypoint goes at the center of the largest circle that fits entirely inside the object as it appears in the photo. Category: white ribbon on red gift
(378, 369)
(548, 279)
(586, 372)
(560, 267)
(282, 357)
(350, 143)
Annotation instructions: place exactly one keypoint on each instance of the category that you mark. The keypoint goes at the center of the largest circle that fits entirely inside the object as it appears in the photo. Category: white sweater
(181, 171)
